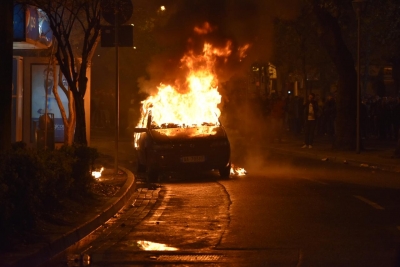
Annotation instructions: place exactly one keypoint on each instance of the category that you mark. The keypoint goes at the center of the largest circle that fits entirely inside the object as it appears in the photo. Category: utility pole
(116, 13)
(358, 6)
(116, 39)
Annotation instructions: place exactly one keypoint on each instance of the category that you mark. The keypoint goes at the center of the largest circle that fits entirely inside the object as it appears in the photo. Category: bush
(84, 158)
(34, 182)
(22, 178)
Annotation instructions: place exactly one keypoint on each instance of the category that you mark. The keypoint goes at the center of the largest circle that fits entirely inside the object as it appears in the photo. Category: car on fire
(170, 147)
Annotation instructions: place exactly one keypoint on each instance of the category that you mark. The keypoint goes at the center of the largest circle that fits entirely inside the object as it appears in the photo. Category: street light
(358, 6)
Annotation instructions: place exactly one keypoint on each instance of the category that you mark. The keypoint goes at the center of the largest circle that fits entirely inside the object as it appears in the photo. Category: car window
(154, 125)
(171, 125)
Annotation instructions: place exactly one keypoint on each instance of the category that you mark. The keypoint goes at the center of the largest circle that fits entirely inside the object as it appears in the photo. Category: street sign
(111, 9)
(125, 36)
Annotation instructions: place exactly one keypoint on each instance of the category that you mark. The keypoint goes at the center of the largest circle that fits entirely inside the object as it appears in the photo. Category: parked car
(171, 147)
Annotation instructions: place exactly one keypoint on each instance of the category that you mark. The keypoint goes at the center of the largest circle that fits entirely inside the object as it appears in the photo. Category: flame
(152, 246)
(238, 171)
(242, 51)
(97, 174)
(193, 102)
(204, 29)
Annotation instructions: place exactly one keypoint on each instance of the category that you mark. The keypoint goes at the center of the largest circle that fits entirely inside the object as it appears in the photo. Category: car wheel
(224, 172)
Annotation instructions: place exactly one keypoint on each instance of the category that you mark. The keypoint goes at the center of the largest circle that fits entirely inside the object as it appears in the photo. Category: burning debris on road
(237, 171)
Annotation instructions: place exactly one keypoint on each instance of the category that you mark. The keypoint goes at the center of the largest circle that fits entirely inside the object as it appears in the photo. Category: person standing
(311, 114)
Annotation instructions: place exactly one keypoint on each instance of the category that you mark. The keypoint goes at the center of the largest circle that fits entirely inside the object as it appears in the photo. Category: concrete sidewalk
(376, 154)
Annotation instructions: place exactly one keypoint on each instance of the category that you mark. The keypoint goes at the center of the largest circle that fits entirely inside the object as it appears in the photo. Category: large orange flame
(198, 105)
(195, 101)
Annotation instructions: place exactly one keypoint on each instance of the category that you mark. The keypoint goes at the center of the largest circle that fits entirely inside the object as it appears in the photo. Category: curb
(111, 208)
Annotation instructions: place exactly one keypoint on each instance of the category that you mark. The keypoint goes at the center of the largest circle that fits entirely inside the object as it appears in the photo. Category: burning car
(170, 147)
(179, 128)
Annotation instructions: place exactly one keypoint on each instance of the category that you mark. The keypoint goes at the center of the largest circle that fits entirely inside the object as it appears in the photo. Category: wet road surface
(285, 212)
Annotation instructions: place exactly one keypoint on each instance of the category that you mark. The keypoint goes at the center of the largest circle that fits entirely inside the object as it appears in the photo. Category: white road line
(369, 202)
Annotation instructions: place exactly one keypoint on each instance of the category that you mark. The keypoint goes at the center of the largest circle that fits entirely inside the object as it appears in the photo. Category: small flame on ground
(152, 246)
(97, 174)
(238, 171)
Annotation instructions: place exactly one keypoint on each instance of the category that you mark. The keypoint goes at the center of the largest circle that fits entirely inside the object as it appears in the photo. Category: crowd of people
(379, 117)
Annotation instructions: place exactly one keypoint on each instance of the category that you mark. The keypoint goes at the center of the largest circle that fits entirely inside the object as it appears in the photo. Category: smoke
(244, 23)
(240, 21)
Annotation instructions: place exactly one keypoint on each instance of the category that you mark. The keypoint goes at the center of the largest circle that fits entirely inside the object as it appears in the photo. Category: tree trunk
(69, 121)
(69, 132)
(397, 150)
(396, 75)
(331, 38)
(80, 129)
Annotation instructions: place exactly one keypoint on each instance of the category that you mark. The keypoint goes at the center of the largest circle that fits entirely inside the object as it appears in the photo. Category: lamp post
(358, 6)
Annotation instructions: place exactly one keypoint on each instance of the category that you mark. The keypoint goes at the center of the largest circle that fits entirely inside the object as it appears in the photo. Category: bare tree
(69, 120)
(76, 29)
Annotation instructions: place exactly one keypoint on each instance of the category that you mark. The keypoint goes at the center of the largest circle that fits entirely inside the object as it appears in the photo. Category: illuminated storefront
(33, 79)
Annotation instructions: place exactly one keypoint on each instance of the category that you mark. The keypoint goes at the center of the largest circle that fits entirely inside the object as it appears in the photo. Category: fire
(242, 51)
(152, 246)
(205, 29)
(238, 171)
(97, 174)
(192, 102)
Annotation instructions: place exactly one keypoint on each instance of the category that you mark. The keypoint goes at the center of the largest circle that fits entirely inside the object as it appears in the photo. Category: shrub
(84, 158)
(22, 179)
(33, 182)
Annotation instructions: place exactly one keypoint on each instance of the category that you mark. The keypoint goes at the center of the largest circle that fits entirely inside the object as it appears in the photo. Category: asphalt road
(328, 214)
(285, 212)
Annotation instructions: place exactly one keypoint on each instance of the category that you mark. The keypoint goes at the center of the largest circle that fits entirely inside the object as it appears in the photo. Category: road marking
(369, 202)
(398, 228)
